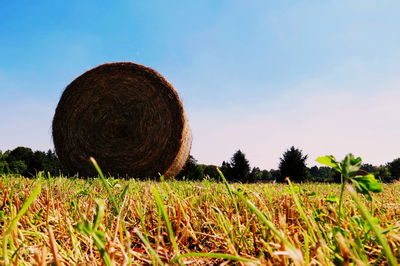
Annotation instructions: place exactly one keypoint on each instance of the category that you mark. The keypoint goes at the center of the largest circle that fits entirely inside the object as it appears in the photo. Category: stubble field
(127, 222)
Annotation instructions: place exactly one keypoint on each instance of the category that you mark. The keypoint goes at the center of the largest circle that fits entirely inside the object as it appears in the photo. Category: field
(89, 222)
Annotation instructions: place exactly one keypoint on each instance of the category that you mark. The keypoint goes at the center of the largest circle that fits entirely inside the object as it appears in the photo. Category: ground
(94, 221)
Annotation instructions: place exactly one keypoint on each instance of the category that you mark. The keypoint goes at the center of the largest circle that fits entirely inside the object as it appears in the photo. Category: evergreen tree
(314, 172)
(255, 175)
(293, 165)
(52, 164)
(226, 169)
(394, 168)
(37, 162)
(239, 167)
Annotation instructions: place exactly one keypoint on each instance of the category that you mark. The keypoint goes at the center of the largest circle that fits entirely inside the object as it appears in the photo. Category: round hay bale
(125, 115)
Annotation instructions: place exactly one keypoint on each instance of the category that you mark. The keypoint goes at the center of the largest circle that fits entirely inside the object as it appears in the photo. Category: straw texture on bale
(125, 115)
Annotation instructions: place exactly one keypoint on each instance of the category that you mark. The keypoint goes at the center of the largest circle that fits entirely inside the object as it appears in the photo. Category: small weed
(349, 169)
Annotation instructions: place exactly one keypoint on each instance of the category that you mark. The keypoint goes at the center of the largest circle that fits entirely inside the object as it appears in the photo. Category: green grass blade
(102, 249)
(294, 252)
(164, 214)
(153, 254)
(214, 256)
(301, 210)
(264, 219)
(35, 192)
(229, 189)
(106, 185)
(375, 227)
(123, 194)
(99, 215)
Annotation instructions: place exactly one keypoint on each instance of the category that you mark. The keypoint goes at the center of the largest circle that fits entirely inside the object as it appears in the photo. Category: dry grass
(127, 116)
(159, 220)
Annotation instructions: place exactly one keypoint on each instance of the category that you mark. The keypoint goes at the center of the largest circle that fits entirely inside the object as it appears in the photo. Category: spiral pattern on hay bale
(125, 115)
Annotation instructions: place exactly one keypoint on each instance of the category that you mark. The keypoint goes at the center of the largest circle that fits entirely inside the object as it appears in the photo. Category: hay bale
(125, 115)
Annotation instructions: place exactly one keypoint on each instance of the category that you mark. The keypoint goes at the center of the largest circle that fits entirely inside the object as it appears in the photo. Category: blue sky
(255, 75)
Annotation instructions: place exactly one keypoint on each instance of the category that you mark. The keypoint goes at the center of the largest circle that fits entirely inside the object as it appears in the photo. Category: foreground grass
(74, 221)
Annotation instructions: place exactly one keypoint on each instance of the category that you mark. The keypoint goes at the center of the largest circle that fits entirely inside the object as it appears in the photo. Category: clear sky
(254, 75)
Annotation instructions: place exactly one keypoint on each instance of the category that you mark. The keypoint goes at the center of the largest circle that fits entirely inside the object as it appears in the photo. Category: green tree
(18, 167)
(314, 172)
(4, 168)
(293, 165)
(18, 156)
(33, 162)
(211, 171)
(275, 174)
(37, 162)
(255, 175)
(52, 164)
(225, 169)
(3, 164)
(368, 168)
(47, 162)
(21, 154)
(394, 168)
(323, 174)
(382, 173)
(191, 170)
(266, 175)
(239, 167)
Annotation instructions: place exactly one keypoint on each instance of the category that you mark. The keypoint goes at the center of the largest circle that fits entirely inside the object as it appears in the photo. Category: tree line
(24, 161)
(292, 164)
